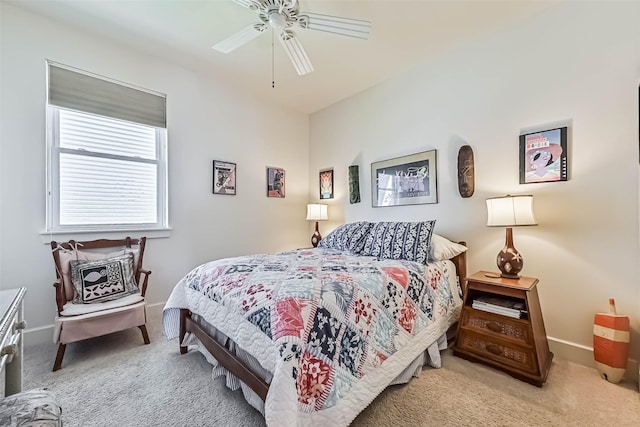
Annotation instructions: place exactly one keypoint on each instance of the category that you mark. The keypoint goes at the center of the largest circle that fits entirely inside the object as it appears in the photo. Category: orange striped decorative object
(611, 343)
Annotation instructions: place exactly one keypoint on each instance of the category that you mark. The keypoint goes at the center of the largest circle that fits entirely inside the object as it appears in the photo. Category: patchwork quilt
(334, 329)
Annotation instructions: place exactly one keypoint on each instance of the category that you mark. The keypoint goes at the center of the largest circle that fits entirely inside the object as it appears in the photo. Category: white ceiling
(403, 33)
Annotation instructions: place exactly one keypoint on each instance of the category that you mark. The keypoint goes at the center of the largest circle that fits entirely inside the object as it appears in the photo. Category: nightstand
(515, 343)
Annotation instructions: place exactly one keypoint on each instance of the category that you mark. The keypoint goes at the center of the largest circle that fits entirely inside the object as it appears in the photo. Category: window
(106, 155)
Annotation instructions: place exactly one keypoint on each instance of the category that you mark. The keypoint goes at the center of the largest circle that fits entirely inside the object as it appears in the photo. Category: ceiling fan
(281, 16)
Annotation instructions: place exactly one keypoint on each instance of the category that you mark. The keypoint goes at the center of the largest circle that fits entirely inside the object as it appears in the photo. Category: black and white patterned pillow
(347, 237)
(103, 280)
(400, 240)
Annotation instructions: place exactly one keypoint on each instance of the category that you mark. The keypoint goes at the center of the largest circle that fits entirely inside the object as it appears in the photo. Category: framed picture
(275, 182)
(408, 180)
(326, 184)
(543, 156)
(224, 178)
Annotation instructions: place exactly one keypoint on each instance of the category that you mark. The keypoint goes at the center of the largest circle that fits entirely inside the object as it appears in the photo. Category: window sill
(63, 236)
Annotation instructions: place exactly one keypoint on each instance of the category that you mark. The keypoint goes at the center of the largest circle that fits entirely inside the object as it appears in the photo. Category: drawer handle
(20, 325)
(492, 326)
(492, 348)
(10, 349)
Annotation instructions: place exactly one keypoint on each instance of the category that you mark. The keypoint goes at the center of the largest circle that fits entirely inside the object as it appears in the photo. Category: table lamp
(316, 212)
(510, 211)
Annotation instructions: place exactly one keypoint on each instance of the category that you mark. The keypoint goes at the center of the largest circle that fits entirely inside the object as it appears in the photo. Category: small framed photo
(326, 184)
(408, 180)
(543, 156)
(224, 178)
(275, 182)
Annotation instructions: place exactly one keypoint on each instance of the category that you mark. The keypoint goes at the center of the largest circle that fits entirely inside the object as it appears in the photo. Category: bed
(312, 336)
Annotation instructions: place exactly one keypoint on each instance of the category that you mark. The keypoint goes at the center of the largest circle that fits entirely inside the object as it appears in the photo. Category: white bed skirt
(430, 357)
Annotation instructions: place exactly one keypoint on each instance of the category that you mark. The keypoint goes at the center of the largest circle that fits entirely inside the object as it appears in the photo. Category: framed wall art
(275, 182)
(224, 178)
(326, 184)
(543, 156)
(407, 180)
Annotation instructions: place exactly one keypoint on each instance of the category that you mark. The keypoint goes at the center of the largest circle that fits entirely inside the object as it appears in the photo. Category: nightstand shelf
(516, 345)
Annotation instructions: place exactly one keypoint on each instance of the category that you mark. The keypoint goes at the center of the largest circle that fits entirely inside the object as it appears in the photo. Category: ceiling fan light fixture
(277, 21)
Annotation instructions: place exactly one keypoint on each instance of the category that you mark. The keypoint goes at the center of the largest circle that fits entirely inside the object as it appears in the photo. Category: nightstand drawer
(498, 350)
(494, 324)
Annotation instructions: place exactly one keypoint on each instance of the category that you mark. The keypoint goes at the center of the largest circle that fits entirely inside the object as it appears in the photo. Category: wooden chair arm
(143, 288)
(60, 300)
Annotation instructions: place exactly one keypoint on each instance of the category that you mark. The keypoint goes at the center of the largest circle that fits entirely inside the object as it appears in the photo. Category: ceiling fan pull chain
(273, 67)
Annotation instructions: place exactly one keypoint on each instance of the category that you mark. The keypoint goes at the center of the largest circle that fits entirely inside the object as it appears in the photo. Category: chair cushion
(33, 408)
(103, 280)
(71, 309)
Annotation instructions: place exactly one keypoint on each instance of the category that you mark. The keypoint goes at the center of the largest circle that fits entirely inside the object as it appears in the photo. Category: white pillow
(443, 248)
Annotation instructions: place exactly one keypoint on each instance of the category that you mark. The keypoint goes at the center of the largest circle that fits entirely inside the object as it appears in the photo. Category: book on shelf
(503, 306)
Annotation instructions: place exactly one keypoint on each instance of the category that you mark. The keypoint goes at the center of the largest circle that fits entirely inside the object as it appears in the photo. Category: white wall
(576, 65)
(205, 122)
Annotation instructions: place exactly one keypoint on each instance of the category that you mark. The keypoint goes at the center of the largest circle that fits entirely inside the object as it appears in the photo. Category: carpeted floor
(118, 381)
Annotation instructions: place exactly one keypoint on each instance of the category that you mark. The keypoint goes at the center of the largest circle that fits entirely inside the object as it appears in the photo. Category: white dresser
(11, 340)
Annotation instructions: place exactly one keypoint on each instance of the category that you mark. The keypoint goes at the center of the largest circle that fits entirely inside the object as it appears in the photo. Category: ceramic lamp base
(509, 276)
(509, 260)
(315, 239)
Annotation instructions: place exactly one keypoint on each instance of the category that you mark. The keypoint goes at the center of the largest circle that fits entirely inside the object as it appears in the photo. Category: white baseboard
(156, 308)
(583, 355)
(39, 335)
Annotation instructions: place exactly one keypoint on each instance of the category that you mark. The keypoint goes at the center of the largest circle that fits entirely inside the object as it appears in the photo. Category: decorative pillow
(347, 237)
(103, 280)
(400, 240)
(443, 248)
(87, 255)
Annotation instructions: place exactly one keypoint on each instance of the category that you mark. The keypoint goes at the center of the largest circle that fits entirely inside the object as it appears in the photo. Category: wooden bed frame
(234, 365)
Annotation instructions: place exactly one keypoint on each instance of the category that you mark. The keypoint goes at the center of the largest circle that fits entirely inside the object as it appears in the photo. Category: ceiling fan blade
(296, 52)
(240, 38)
(249, 4)
(335, 24)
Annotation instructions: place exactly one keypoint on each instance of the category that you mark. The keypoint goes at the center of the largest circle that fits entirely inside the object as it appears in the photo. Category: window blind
(102, 135)
(99, 191)
(83, 92)
(107, 171)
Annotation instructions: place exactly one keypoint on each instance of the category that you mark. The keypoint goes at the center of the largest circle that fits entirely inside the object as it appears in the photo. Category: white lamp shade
(317, 212)
(510, 211)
